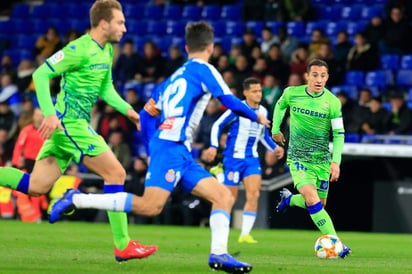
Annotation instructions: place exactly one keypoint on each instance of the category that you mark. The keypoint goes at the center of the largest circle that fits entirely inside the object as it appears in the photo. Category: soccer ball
(328, 247)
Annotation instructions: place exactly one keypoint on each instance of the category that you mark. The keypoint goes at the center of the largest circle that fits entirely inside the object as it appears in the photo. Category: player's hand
(334, 172)
(134, 117)
(279, 138)
(263, 120)
(210, 154)
(49, 125)
(279, 152)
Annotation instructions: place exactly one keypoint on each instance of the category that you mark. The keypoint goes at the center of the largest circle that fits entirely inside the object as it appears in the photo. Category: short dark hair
(198, 36)
(317, 62)
(250, 81)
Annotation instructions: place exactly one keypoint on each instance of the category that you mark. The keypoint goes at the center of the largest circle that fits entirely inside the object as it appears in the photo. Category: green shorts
(315, 174)
(72, 144)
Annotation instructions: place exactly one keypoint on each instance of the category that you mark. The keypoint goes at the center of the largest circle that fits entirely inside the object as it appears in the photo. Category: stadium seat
(404, 78)
(156, 27)
(379, 78)
(172, 12)
(332, 27)
(191, 12)
(6, 27)
(211, 12)
(231, 12)
(234, 28)
(390, 61)
(80, 25)
(274, 25)
(295, 28)
(371, 11)
(320, 2)
(351, 12)
(152, 12)
(219, 28)
(312, 25)
(79, 11)
(330, 12)
(133, 11)
(163, 43)
(351, 90)
(353, 27)
(24, 41)
(176, 28)
(409, 98)
(137, 27)
(20, 11)
(61, 25)
(178, 41)
(40, 26)
(354, 77)
(256, 26)
(40, 11)
(352, 138)
(22, 26)
(406, 61)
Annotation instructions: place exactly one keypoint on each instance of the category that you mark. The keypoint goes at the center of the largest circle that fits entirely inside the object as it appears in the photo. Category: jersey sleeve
(225, 119)
(265, 137)
(280, 110)
(69, 58)
(337, 130)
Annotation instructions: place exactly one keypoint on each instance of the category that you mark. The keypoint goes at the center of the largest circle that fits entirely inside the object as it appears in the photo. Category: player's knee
(37, 189)
(116, 176)
(151, 210)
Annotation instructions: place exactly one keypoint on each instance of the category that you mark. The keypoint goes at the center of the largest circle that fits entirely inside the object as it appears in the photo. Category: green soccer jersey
(86, 70)
(311, 118)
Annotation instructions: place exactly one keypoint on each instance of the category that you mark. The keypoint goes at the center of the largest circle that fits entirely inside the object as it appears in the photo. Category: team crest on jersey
(326, 104)
(170, 176)
(301, 173)
(57, 57)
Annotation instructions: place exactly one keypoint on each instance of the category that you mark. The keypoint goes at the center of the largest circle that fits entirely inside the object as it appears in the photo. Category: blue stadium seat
(163, 43)
(133, 11)
(330, 12)
(409, 98)
(295, 28)
(20, 11)
(234, 28)
(406, 61)
(312, 25)
(172, 12)
(351, 90)
(24, 41)
(390, 61)
(231, 12)
(256, 26)
(153, 12)
(332, 27)
(156, 27)
(6, 27)
(320, 2)
(352, 138)
(371, 11)
(353, 27)
(354, 77)
(22, 26)
(61, 25)
(351, 12)
(274, 25)
(79, 11)
(178, 41)
(379, 78)
(80, 24)
(176, 28)
(40, 26)
(191, 12)
(404, 78)
(211, 12)
(219, 28)
(40, 11)
(137, 27)
(56, 11)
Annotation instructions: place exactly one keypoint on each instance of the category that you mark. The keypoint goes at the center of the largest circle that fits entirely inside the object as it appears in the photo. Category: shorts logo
(170, 176)
(233, 176)
(324, 185)
(57, 57)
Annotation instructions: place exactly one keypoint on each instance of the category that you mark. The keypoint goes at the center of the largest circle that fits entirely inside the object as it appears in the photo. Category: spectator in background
(272, 90)
(235, 52)
(260, 69)
(248, 43)
(296, 10)
(47, 44)
(217, 52)
(176, 59)
(396, 38)
(336, 73)
(341, 50)
(71, 34)
(268, 39)
(112, 120)
(138, 173)
(273, 11)
(362, 56)
(404, 5)
(317, 39)
(152, 64)
(276, 64)
(401, 117)
(348, 106)
(133, 98)
(376, 121)
(211, 114)
(229, 78)
(6, 66)
(120, 149)
(295, 80)
(299, 60)
(24, 75)
(365, 97)
(288, 44)
(7, 87)
(27, 110)
(223, 63)
(127, 65)
(241, 71)
(375, 30)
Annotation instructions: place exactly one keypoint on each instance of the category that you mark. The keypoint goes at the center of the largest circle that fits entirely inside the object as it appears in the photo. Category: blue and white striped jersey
(184, 97)
(243, 136)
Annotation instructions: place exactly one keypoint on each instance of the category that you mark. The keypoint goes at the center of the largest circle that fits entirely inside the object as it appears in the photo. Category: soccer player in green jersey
(314, 110)
(85, 65)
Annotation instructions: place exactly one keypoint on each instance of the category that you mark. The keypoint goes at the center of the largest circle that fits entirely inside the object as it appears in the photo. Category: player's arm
(67, 59)
(149, 121)
(278, 115)
(338, 131)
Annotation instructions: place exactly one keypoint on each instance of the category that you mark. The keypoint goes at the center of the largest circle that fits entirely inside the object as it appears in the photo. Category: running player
(85, 66)
(314, 110)
(241, 159)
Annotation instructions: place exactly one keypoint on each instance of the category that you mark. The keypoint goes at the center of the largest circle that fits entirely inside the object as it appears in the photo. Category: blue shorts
(171, 164)
(236, 169)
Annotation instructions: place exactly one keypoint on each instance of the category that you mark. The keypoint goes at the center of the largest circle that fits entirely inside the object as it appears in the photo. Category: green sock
(118, 222)
(14, 178)
(297, 200)
(321, 219)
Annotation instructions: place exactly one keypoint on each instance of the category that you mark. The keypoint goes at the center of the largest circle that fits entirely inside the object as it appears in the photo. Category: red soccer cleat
(134, 250)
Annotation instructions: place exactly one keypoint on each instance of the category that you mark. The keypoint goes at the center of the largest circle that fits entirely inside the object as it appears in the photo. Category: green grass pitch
(75, 247)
